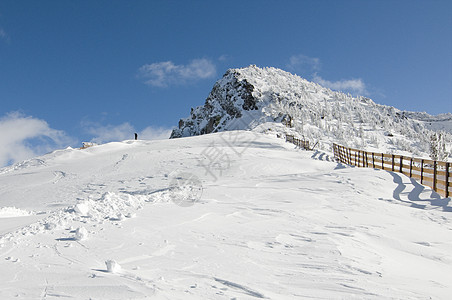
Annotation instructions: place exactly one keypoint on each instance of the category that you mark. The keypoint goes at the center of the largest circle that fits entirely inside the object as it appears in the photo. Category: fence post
(358, 157)
(341, 153)
(362, 156)
(422, 171)
(373, 160)
(382, 161)
(364, 159)
(393, 162)
(344, 155)
(401, 164)
(435, 166)
(447, 179)
(411, 167)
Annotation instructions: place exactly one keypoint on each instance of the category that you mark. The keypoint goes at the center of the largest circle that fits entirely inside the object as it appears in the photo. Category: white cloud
(163, 74)
(24, 137)
(353, 86)
(304, 64)
(124, 131)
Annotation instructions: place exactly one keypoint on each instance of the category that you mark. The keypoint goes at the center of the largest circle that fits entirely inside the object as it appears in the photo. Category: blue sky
(73, 71)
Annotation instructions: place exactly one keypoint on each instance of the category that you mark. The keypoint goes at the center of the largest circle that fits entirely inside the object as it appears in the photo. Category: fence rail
(435, 174)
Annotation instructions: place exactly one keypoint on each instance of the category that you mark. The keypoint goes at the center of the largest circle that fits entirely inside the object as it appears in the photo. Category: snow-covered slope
(232, 215)
(248, 97)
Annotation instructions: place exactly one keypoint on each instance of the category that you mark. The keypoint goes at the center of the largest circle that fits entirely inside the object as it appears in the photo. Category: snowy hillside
(232, 215)
(245, 98)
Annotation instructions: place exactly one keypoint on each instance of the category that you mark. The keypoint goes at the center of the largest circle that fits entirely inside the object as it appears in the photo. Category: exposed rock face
(230, 96)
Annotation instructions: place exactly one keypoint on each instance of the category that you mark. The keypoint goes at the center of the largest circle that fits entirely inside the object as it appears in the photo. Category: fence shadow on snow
(432, 173)
(435, 174)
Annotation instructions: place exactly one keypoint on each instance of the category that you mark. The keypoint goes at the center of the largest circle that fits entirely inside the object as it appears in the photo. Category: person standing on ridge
(136, 136)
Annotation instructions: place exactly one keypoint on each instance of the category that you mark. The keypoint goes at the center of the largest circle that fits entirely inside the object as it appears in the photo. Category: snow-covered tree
(438, 147)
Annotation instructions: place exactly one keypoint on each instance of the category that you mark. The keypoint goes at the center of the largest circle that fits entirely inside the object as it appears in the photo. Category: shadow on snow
(414, 196)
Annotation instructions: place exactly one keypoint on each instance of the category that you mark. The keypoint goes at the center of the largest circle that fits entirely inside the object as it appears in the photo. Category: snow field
(272, 222)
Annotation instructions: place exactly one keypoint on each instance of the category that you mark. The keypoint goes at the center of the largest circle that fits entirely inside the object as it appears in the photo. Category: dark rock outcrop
(230, 96)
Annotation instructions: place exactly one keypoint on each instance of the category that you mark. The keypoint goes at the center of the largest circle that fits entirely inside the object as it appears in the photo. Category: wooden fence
(435, 174)
(300, 143)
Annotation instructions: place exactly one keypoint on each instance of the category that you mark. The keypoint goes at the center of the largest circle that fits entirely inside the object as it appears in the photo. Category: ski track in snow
(279, 223)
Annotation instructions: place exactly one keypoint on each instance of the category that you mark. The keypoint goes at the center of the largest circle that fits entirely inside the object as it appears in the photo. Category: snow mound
(11, 212)
(110, 206)
(112, 266)
(81, 234)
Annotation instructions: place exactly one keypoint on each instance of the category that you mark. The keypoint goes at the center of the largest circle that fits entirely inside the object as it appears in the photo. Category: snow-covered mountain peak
(249, 97)
(239, 93)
